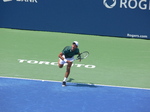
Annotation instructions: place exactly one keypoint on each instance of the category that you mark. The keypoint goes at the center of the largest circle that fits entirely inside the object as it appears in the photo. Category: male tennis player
(67, 56)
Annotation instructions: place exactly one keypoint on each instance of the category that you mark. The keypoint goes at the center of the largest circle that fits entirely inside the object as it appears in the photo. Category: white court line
(79, 83)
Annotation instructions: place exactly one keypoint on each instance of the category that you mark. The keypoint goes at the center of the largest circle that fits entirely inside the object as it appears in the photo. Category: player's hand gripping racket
(82, 56)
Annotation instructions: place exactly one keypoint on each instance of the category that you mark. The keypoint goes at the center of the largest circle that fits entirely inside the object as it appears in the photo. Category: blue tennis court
(25, 95)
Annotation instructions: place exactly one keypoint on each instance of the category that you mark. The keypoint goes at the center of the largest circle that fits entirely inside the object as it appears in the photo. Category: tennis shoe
(63, 83)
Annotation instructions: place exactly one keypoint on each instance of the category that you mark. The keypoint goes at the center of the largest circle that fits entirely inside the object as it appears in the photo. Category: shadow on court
(80, 84)
(84, 85)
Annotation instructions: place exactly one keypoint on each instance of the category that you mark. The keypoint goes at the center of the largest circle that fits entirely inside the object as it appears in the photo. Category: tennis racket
(82, 56)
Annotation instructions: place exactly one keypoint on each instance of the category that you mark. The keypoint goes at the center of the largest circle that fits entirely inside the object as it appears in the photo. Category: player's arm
(61, 57)
(79, 56)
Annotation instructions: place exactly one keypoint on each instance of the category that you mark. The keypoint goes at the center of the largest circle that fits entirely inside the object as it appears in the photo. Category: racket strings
(83, 55)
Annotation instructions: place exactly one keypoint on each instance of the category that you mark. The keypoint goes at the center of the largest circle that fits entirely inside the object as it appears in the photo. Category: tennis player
(67, 56)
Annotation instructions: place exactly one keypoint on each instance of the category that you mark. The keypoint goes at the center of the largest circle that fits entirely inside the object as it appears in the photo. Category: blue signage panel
(121, 18)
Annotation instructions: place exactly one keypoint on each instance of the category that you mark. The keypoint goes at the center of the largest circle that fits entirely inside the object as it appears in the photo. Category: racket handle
(79, 60)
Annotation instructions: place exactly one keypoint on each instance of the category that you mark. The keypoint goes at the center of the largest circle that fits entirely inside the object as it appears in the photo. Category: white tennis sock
(65, 79)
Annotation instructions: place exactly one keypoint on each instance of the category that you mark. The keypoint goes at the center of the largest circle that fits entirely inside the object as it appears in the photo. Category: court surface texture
(114, 78)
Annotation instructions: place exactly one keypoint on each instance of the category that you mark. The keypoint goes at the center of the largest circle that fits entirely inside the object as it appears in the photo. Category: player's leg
(67, 73)
(68, 69)
(60, 63)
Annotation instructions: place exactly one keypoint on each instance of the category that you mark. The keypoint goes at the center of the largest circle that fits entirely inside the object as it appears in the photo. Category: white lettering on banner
(7, 0)
(52, 63)
(33, 1)
(123, 4)
(109, 6)
(136, 36)
(131, 4)
(27, 1)
(144, 5)
(134, 4)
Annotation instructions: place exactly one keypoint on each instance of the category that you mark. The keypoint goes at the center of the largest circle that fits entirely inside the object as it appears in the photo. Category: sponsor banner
(121, 18)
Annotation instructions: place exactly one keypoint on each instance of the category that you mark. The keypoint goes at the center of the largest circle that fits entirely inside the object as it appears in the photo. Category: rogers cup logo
(128, 4)
(109, 6)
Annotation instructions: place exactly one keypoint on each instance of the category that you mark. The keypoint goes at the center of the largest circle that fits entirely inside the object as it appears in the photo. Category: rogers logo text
(128, 4)
(109, 6)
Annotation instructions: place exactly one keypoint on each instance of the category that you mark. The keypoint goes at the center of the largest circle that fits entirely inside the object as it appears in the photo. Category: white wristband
(65, 60)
